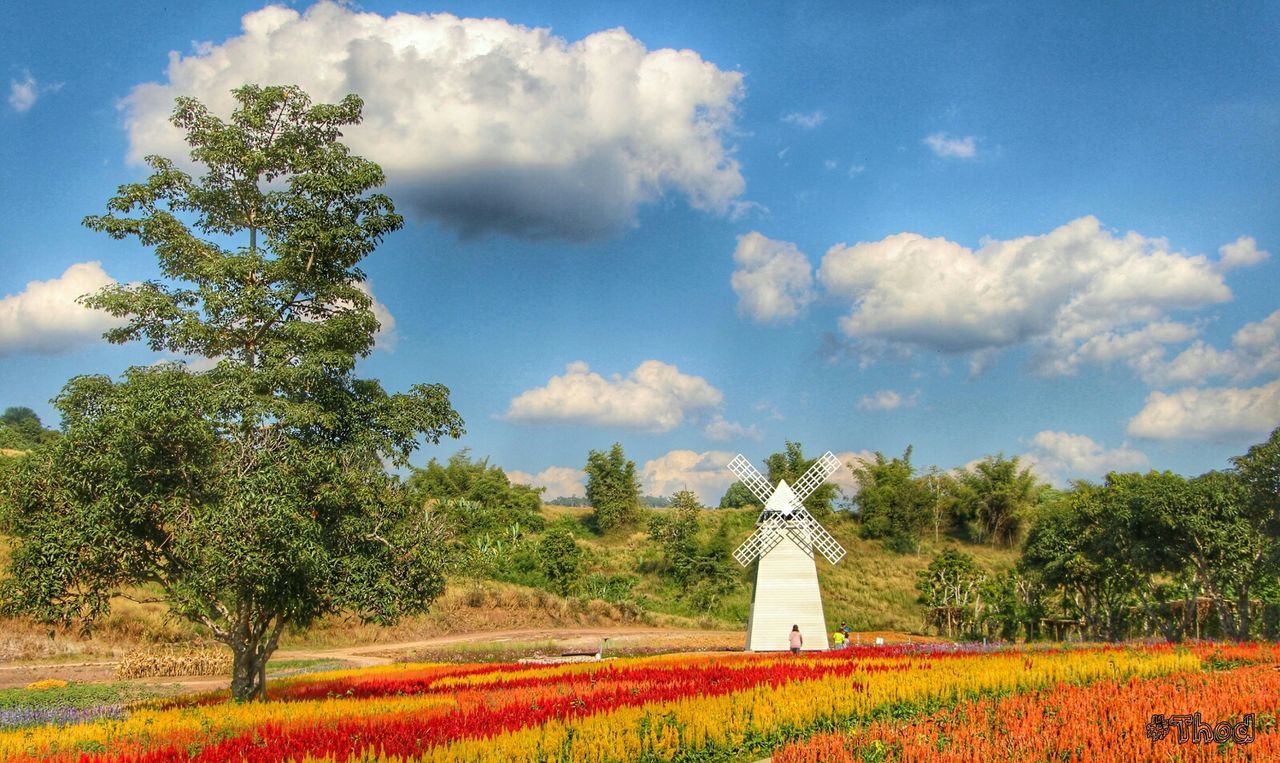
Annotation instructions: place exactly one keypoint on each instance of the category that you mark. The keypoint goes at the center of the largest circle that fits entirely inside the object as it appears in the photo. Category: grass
(79, 695)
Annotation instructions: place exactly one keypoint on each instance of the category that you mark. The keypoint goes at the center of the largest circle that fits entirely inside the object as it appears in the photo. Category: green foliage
(949, 588)
(996, 496)
(477, 498)
(702, 571)
(613, 489)
(77, 695)
(1259, 473)
(21, 429)
(559, 559)
(251, 496)
(790, 465)
(738, 496)
(892, 504)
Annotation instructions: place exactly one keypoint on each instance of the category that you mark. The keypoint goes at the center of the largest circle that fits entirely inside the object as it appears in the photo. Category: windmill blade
(822, 540)
(824, 467)
(752, 478)
(767, 535)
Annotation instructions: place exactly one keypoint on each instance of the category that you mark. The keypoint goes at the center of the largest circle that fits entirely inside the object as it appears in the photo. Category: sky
(1044, 230)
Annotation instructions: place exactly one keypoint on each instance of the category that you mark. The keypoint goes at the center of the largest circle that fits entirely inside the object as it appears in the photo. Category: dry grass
(169, 660)
(472, 606)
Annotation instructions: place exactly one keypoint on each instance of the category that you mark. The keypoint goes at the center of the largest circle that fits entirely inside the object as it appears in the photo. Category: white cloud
(705, 473)
(1075, 294)
(1240, 253)
(482, 124)
(1209, 413)
(844, 477)
(1254, 352)
(805, 121)
(857, 169)
(45, 317)
(774, 280)
(655, 397)
(386, 337)
(559, 481)
(885, 400)
(23, 93)
(722, 430)
(1058, 456)
(952, 148)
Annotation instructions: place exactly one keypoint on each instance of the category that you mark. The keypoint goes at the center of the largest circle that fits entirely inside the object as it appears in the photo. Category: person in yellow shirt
(837, 640)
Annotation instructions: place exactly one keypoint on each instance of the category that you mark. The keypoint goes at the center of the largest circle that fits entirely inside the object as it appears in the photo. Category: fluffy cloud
(704, 473)
(722, 430)
(655, 397)
(45, 318)
(774, 280)
(482, 124)
(1240, 253)
(1210, 413)
(885, 400)
(805, 121)
(1061, 455)
(559, 481)
(1254, 352)
(1076, 294)
(952, 148)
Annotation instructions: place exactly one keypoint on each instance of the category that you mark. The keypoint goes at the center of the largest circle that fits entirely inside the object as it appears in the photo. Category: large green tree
(253, 496)
(613, 489)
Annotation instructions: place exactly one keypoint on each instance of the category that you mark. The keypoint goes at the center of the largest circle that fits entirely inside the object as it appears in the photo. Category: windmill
(786, 592)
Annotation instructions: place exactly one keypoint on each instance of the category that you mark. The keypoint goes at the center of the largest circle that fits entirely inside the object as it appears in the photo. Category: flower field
(1103, 721)
(862, 703)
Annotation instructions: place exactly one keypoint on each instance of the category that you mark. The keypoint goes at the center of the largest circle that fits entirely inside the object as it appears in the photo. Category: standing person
(844, 628)
(797, 640)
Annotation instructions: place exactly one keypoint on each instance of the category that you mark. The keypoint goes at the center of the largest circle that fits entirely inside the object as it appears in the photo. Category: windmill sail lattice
(784, 542)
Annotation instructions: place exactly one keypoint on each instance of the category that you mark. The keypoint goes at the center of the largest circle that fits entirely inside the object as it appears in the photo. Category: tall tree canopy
(996, 495)
(252, 496)
(892, 504)
(790, 465)
(613, 489)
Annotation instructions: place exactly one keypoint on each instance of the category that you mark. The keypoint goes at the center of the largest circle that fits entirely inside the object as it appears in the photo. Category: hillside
(871, 588)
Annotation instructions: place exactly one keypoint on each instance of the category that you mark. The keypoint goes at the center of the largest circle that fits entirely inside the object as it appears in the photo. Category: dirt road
(519, 643)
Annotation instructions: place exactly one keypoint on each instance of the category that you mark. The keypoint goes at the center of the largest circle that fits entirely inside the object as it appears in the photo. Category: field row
(679, 707)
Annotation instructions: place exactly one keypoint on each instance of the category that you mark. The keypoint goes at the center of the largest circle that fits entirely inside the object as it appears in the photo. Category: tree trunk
(1243, 614)
(251, 648)
(248, 673)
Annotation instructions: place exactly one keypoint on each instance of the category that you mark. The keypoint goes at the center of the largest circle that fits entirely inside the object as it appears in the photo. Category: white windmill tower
(786, 591)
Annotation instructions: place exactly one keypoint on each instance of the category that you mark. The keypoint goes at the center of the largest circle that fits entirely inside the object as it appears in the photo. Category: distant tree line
(21, 429)
(1150, 555)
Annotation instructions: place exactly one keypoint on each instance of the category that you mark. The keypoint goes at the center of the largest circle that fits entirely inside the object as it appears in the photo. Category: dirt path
(547, 640)
(520, 642)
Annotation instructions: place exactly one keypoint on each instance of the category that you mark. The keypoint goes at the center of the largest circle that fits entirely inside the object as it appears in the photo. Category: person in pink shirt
(797, 640)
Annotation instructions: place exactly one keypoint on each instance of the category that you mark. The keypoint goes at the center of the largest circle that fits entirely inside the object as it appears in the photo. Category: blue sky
(1046, 231)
